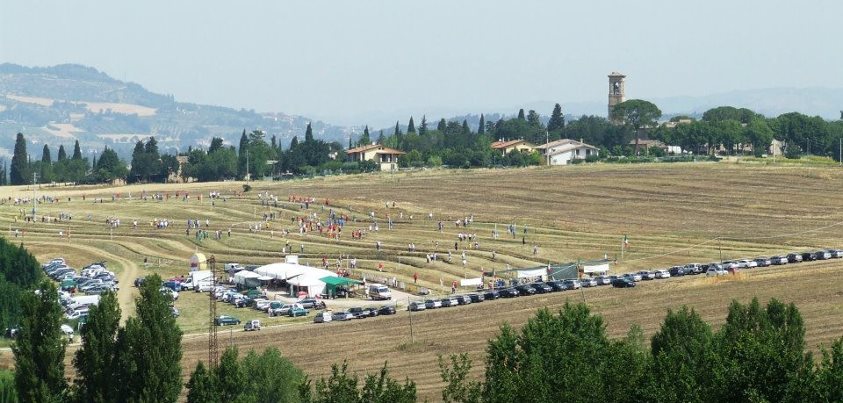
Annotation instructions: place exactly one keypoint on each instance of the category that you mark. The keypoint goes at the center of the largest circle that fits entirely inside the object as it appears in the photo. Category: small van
(379, 291)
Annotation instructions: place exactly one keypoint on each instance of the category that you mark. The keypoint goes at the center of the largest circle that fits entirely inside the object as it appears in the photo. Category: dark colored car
(476, 297)
(557, 285)
(371, 312)
(525, 289)
(312, 303)
(623, 283)
(463, 299)
(449, 302)
(808, 256)
(822, 255)
(386, 310)
(541, 288)
(226, 320)
(491, 295)
(794, 257)
(358, 312)
(509, 293)
(677, 271)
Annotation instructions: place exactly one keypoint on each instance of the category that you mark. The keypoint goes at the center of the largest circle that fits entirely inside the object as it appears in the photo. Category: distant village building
(385, 157)
(562, 152)
(505, 147)
(176, 177)
(645, 145)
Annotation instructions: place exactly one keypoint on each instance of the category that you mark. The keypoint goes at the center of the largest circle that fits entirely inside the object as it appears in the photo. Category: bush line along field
(673, 214)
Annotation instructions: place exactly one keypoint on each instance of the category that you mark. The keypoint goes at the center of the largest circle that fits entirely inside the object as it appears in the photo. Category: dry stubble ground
(672, 214)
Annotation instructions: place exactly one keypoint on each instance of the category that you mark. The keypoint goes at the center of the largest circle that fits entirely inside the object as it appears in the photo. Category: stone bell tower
(616, 91)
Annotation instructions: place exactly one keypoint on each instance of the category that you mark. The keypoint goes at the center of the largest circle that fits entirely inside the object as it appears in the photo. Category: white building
(562, 152)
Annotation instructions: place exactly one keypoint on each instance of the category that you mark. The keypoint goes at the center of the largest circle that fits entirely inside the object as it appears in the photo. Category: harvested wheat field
(672, 214)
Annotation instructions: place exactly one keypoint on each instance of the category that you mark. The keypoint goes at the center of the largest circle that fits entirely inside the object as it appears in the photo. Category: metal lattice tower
(213, 353)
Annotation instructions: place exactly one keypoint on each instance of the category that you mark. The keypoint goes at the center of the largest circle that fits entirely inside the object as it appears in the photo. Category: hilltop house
(562, 152)
(386, 158)
(505, 147)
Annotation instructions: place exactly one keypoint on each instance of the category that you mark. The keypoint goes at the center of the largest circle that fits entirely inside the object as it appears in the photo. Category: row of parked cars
(730, 266)
(354, 313)
(93, 279)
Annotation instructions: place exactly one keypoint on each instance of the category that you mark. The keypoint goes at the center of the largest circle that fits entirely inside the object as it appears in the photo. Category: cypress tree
(45, 155)
(19, 174)
(481, 128)
(95, 360)
(62, 154)
(521, 114)
(557, 120)
(397, 129)
(46, 165)
(423, 126)
(241, 156)
(39, 348)
(308, 134)
(365, 139)
(442, 125)
(411, 127)
(381, 138)
(77, 152)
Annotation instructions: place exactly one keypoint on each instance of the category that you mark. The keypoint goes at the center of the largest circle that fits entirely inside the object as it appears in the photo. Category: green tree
(39, 348)
(423, 126)
(94, 361)
(200, 387)
(109, 167)
(19, 173)
(62, 154)
(442, 125)
(411, 127)
(364, 139)
(149, 349)
(228, 376)
(521, 114)
(759, 134)
(481, 127)
(77, 152)
(271, 378)
(8, 394)
(557, 120)
(829, 376)
(46, 165)
(458, 387)
(534, 120)
(637, 114)
(342, 387)
(216, 144)
(243, 151)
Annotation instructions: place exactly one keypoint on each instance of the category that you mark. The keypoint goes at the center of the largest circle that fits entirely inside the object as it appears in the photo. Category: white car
(323, 317)
(715, 271)
(661, 274)
(68, 331)
(749, 264)
(777, 260)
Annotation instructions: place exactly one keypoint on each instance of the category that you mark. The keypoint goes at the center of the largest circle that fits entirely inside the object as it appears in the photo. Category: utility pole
(546, 141)
(34, 202)
(247, 164)
(412, 335)
(840, 152)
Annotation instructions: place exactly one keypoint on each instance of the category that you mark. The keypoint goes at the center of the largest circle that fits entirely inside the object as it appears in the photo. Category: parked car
(588, 282)
(541, 288)
(794, 257)
(225, 320)
(252, 325)
(635, 276)
(297, 311)
(808, 256)
(693, 268)
(822, 255)
(763, 261)
(525, 289)
(322, 317)
(312, 303)
(630, 277)
(715, 271)
(509, 292)
(358, 312)
(662, 274)
(623, 283)
(677, 271)
(491, 295)
(463, 299)
(778, 260)
(836, 253)
(603, 280)
(341, 316)
(572, 284)
(449, 302)
(386, 310)
(284, 309)
(432, 303)
(475, 298)
(417, 306)
(370, 311)
(647, 275)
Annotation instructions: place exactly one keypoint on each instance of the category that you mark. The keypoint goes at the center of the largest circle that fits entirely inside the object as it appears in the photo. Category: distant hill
(60, 104)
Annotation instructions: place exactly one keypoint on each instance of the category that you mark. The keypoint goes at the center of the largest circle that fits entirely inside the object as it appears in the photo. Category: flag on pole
(625, 241)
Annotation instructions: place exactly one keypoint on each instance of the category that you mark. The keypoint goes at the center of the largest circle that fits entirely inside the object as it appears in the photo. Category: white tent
(243, 276)
(299, 277)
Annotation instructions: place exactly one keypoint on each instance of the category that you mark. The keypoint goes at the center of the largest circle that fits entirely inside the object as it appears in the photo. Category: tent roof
(335, 281)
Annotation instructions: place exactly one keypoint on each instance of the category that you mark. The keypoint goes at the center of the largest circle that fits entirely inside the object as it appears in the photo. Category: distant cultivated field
(672, 213)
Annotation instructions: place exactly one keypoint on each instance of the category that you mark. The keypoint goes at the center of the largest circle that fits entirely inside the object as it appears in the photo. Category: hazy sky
(341, 59)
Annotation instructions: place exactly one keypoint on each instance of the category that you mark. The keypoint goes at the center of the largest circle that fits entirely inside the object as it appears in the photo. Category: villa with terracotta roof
(385, 157)
(562, 152)
(505, 147)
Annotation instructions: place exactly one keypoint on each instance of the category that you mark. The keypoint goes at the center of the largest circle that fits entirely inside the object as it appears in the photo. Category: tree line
(456, 144)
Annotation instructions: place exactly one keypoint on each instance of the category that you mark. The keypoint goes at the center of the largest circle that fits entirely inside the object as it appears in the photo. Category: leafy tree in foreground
(458, 388)
(39, 348)
(95, 360)
(342, 387)
(201, 387)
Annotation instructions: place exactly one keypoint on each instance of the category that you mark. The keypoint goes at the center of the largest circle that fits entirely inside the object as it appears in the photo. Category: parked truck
(195, 278)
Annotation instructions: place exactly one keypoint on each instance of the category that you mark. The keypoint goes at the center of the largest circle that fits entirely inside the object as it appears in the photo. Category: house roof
(647, 142)
(556, 143)
(565, 145)
(509, 143)
(381, 149)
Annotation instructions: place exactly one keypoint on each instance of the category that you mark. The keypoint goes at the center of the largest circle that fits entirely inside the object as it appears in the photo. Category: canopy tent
(300, 278)
(247, 279)
(334, 282)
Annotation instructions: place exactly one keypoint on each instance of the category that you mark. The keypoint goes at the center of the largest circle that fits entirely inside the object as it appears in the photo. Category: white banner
(596, 268)
(471, 282)
(532, 273)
